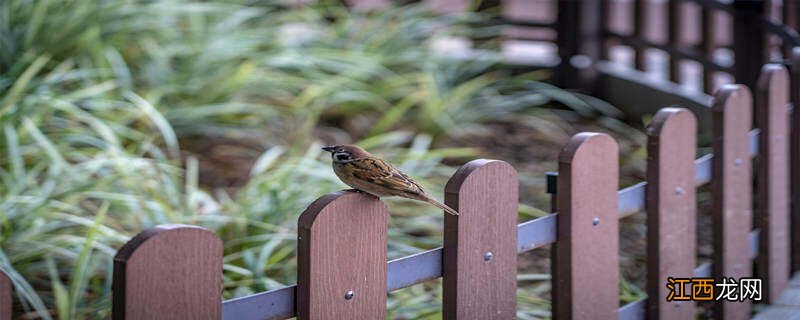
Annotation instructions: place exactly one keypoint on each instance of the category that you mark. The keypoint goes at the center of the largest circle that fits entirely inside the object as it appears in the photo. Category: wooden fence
(175, 271)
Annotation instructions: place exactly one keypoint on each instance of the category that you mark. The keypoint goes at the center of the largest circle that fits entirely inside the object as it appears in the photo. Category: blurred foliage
(95, 97)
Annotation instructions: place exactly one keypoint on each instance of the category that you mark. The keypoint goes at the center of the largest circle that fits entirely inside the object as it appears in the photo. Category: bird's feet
(362, 192)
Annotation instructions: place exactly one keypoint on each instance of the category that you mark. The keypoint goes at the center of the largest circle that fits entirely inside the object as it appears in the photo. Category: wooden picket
(772, 216)
(671, 212)
(5, 296)
(341, 258)
(168, 272)
(732, 208)
(480, 257)
(586, 267)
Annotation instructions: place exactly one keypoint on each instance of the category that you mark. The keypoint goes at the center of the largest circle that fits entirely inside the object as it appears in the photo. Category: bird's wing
(382, 173)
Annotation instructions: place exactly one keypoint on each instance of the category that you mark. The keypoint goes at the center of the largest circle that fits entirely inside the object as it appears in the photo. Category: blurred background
(119, 115)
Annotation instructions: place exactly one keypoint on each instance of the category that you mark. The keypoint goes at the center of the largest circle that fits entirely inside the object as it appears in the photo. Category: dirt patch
(224, 162)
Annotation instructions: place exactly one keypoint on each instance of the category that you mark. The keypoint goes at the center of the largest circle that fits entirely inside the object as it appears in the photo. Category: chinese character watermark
(704, 289)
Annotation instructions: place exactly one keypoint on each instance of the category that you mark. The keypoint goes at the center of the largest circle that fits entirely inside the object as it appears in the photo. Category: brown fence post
(579, 31)
(586, 266)
(731, 188)
(670, 205)
(794, 93)
(169, 272)
(772, 216)
(341, 258)
(479, 262)
(749, 42)
(6, 296)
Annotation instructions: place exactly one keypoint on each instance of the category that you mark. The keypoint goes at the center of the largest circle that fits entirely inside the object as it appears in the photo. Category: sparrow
(366, 173)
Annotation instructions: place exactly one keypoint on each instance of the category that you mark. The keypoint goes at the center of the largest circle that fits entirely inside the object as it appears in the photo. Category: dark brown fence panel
(169, 272)
(479, 261)
(708, 43)
(586, 264)
(639, 31)
(772, 216)
(749, 41)
(670, 203)
(795, 157)
(341, 258)
(579, 28)
(731, 188)
(6, 296)
(674, 37)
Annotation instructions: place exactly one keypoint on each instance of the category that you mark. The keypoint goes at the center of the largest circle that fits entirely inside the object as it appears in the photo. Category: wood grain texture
(732, 192)
(169, 272)
(6, 296)
(772, 216)
(671, 209)
(586, 264)
(485, 193)
(341, 248)
(794, 147)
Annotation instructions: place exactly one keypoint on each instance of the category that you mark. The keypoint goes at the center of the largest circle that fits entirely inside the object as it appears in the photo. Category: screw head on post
(349, 295)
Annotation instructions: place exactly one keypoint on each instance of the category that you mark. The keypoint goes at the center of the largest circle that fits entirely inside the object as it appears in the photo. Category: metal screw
(595, 221)
(488, 256)
(737, 162)
(349, 295)
(679, 190)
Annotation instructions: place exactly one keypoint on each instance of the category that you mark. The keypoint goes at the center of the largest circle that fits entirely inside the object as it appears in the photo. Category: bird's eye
(341, 156)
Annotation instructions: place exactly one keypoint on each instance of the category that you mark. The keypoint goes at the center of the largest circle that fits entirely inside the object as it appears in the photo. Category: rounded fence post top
(465, 171)
(310, 214)
(670, 115)
(729, 94)
(578, 141)
(129, 248)
(770, 73)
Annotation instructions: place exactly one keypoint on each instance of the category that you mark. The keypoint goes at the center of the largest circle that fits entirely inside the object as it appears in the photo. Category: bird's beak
(329, 148)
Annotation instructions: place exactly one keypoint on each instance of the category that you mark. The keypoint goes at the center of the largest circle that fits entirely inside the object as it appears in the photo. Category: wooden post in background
(579, 32)
(341, 258)
(748, 41)
(731, 188)
(479, 262)
(6, 296)
(586, 265)
(169, 272)
(794, 94)
(671, 209)
(772, 216)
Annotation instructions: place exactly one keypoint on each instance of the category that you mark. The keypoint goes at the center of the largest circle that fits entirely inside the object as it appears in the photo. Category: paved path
(787, 306)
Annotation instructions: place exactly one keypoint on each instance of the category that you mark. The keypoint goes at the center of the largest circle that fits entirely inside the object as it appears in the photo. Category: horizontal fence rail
(427, 265)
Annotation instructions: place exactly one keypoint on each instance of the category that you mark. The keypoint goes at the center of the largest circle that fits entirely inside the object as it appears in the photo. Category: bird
(366, 173)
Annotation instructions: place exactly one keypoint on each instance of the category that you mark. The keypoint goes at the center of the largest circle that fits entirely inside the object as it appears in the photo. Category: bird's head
(346, 152)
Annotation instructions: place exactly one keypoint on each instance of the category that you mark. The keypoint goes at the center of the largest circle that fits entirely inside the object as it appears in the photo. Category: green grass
(96, 97)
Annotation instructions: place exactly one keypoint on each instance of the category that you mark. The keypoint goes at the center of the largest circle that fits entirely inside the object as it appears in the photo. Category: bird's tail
(440, 205)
